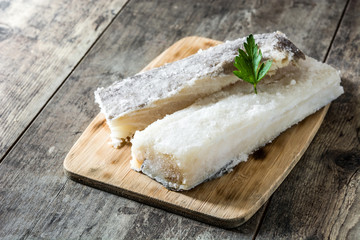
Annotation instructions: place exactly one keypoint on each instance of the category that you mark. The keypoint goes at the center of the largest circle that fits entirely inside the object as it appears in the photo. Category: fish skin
(131, 97)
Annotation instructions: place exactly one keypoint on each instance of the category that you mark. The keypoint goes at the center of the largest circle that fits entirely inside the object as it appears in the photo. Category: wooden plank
(40, 43)
(321, 198)
(228, 201)
(37, 201)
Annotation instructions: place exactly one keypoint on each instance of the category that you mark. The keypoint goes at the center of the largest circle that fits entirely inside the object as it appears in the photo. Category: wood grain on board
(37, 199)
(40, 43)
(228, 201)
(321, 197)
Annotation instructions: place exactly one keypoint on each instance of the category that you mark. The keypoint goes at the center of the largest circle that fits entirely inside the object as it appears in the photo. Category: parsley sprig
(248, 63)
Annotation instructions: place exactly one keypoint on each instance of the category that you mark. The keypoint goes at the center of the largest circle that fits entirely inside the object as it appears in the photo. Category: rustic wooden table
(54, 54)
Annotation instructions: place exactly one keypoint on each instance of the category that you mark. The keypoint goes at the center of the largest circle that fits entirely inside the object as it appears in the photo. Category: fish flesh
(210, 137)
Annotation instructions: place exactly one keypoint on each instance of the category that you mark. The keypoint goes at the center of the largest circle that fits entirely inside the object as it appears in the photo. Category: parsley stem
(255, 88)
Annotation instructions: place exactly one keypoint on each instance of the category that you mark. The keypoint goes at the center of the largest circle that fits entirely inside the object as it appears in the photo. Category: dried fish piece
(133, 103)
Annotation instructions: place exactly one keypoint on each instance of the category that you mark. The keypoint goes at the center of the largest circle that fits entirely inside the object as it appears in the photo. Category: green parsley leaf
(248, 63)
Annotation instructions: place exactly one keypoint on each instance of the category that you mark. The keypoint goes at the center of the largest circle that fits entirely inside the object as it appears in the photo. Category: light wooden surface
(320, 196)
(228, 201)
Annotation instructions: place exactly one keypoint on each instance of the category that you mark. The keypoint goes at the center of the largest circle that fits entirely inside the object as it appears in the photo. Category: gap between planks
(336, 30)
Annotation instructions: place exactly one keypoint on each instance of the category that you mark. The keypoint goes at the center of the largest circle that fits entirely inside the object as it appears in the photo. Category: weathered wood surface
(36, 199)
(40, 43)
(321, 197)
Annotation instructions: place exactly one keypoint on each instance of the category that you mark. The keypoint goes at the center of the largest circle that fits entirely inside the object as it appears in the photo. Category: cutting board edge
(173, 208)
(167, 206)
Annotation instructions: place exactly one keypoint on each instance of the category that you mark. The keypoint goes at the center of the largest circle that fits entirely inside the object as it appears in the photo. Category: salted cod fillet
(133, 103)
(214, 134)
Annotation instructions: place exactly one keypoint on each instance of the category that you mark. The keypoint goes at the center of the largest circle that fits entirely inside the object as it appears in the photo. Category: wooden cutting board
(228, 201)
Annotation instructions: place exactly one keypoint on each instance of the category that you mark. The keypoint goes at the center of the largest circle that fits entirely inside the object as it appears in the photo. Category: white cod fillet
(214, 134)
(135, 102)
